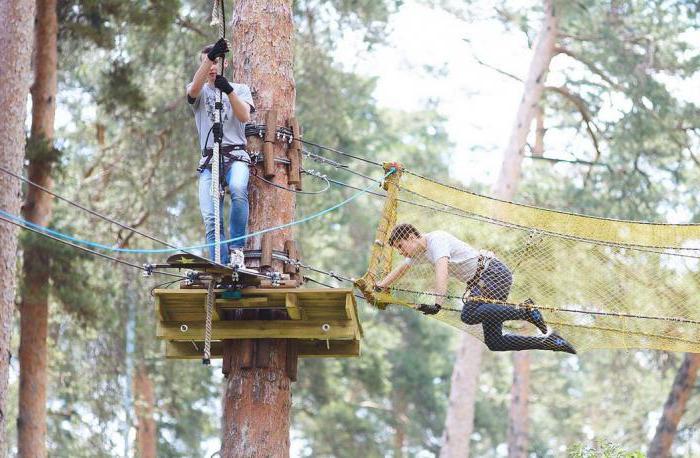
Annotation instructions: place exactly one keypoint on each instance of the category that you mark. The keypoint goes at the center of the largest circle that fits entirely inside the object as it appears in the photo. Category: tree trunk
(399, 409)
(506, 188)
(509, 177)
(16, 21)
(31, 424)
(518, 414)
(144, 405)
(660, 446)
(459, 423)
(257, 396)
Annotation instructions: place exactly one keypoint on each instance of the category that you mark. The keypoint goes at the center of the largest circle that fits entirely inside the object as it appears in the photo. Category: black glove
(429, 309)
(218, 50)
(218, 131)
(222, 84)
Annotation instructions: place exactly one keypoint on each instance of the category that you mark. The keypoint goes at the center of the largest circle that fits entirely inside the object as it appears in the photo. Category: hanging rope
(211, 298)
(218, 17)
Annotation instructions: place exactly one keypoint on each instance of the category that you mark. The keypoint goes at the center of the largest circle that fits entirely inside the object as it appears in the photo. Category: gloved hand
(222, 84)
(429, 309)
(218, 50)
(218, 131)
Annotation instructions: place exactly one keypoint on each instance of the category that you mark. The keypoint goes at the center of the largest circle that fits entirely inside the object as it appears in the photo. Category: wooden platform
(323, 320)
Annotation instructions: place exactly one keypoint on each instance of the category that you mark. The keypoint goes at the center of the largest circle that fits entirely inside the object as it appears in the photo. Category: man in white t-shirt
(488, 282)
(236, 107)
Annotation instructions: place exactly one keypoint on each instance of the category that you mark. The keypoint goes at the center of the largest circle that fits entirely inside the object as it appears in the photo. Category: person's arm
(240, 108)
(198, 80)
(219, 49)
(441, 274)
(393, 276)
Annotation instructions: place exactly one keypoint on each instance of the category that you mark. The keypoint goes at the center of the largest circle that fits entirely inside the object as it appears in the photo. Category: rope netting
(521, 277)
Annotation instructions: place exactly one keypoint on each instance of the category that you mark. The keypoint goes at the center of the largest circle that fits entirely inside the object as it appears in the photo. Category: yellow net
(594, 282)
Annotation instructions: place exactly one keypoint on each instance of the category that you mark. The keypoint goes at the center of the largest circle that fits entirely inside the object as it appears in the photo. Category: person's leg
(495, 340)
(237, 179)
(495, 283)
(206, 207)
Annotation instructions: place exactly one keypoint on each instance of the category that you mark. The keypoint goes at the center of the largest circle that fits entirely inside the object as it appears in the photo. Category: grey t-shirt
(203, 108)
(462, 259)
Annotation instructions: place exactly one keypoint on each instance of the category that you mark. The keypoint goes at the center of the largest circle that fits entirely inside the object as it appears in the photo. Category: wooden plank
(187, 350)
(351, 310)
(257, 329)
(332, 349)
(304, 348)
(160, 310)
(291, 302)
(321, 292)
(247, 302)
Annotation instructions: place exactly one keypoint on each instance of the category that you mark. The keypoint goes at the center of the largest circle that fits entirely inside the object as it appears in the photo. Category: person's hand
(429, 309)
(218, 50)
(222, 84)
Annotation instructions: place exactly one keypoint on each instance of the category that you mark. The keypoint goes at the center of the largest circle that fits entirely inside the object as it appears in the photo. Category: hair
(403, 231)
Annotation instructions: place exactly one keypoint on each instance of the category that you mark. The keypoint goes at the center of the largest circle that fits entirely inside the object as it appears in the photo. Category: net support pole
(380, 255)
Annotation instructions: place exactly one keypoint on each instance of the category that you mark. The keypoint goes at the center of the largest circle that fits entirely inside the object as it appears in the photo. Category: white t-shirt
(203, 107)
(462, 259)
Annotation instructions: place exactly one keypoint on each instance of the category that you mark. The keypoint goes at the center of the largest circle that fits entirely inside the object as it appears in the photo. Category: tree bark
(257, 396)
(16, 22)
(459, 423)
(31, 424)
(509, 176)
(518, 424)
(399, 409)
(144, 405)
(506, 188)
(660, 446)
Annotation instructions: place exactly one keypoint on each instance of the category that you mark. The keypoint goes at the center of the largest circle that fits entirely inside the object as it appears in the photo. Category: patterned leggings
(495, 283)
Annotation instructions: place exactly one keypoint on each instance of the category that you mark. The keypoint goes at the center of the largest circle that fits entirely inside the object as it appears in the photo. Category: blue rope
(189, 248)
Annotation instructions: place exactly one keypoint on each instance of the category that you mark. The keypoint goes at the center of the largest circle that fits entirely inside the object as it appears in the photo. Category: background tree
(16, 18)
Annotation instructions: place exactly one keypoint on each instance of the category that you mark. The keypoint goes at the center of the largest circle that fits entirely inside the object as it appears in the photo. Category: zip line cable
(87, 250)
(343, 153)
(88, 210)
(77, 205)
(76, 240)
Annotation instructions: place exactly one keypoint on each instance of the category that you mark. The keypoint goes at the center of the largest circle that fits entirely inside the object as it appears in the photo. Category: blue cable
(189, 248)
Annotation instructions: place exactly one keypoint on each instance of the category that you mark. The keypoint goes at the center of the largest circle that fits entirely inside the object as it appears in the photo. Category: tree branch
(580, 105)
(590, 65)
(189, 25)
(502, 72)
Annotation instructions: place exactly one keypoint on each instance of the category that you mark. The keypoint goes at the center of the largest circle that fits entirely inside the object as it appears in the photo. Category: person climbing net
(488, 281)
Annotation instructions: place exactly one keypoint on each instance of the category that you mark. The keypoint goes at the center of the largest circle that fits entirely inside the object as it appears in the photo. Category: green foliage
(40, 150)
(601, 449)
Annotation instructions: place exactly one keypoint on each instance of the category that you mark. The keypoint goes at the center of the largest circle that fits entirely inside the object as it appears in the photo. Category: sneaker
(558, 343)
(236, 259)
(535, 316)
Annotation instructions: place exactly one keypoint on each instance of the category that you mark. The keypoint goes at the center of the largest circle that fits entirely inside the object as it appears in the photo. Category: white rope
(211, 297)
(217, 18)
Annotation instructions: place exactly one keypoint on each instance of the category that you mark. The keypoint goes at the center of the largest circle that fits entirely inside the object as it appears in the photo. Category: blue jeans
(237, 179)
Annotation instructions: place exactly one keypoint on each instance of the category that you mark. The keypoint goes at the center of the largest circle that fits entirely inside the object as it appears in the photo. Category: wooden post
(290, 247)
(268, 146)
(294, 154)
(257, 400)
